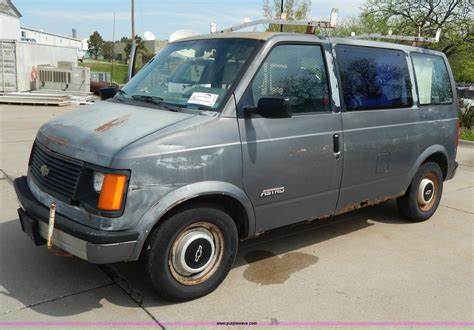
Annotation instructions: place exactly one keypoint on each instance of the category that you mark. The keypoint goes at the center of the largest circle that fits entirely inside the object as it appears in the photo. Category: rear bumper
(453, 171)
(95, 246)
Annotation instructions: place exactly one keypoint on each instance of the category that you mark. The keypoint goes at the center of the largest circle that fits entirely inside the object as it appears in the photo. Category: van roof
(289, 36)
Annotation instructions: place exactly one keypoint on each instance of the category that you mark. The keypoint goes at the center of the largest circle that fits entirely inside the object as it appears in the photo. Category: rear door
(381, 134)
(291, 169)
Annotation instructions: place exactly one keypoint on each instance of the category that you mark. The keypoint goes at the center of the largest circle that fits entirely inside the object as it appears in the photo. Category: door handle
(336, 145)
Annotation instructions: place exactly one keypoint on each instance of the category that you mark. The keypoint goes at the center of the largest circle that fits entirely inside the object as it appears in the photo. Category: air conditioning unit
(64, 77)
(101, 77)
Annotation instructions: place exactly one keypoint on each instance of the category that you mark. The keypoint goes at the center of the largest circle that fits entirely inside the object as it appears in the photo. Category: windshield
(195, 74)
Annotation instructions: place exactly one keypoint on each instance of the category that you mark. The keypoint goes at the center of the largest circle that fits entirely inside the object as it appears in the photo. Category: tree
(123, 39)
(107, 50)
(463, 67)
(413, 17)
(293, 9)
(141, 50)
(95, 43)
(362, 24)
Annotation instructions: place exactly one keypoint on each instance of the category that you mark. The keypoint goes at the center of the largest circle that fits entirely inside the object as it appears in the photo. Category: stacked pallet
(75, 97)
(47, 97)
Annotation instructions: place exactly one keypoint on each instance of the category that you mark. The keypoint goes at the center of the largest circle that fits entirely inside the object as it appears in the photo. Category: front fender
(156, 212)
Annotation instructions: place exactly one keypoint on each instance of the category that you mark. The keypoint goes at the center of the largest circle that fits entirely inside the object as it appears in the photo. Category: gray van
(220, 138)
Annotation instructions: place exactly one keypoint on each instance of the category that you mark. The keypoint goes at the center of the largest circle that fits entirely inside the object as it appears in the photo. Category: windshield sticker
(203, 99)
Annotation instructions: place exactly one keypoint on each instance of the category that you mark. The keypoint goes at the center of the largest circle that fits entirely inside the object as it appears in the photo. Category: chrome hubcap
(426, 191)
(196, 253)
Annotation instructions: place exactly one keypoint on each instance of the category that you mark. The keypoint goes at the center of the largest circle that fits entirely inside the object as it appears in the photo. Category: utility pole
(113, 53)
(281, 15)
(131, 63)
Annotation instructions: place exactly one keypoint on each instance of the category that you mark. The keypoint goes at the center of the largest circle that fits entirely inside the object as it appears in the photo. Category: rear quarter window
(432, 79)
(373, 78)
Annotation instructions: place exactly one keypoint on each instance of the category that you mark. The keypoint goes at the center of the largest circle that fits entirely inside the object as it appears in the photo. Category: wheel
(191, 252)
(423, 195)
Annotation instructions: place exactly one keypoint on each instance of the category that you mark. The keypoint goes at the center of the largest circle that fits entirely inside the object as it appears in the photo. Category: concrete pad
(29, 274)
(462, 180)
(15, 156)
(367, 265)
(21, 135)
(108, 304)
(465, 155)
(462, 199)
(18, 127)
(22, 116)
(458, 193)
(8, 201)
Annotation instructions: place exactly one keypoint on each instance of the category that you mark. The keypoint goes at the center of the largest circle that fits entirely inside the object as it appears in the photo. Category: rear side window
(373, 78)
(432, 79)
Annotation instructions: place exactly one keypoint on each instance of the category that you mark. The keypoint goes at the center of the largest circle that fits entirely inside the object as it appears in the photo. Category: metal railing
(434, 39)
(310, 24)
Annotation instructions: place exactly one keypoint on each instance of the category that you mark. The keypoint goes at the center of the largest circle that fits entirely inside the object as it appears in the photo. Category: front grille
(58, 175)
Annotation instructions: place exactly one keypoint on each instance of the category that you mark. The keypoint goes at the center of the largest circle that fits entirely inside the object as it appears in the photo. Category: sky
(162, 17)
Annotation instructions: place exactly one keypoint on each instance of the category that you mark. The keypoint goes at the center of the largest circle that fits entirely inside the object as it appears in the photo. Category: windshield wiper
(147, 98)
(122, 94)
(156, 100)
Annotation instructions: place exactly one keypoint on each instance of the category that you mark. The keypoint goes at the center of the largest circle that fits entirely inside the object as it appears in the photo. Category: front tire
(191, 252)
(423, 195)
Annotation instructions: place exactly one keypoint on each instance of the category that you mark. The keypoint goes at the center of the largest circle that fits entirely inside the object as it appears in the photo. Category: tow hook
(51, 248)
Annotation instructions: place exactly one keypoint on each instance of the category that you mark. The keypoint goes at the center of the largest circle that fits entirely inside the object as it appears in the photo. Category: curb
(466, 143)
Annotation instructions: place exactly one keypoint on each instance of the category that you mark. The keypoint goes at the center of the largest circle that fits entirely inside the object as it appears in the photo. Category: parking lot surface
(368, 265)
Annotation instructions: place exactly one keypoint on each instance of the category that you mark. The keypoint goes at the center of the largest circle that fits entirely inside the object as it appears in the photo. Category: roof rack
(398, 37)
(309, 24)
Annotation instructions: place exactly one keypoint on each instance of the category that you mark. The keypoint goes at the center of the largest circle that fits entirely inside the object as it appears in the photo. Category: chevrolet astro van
(220, 138)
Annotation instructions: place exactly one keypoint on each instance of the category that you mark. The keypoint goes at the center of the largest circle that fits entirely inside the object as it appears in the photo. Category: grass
(466, 134)
(120, 70)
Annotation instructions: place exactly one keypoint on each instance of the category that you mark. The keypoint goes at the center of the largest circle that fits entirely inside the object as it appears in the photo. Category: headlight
(98, 181)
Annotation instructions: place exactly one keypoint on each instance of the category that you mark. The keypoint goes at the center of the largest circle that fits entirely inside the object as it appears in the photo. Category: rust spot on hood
(114, 122)
(56, 139)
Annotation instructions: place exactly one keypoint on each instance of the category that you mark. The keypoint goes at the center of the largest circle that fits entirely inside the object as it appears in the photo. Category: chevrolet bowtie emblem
(44, 170)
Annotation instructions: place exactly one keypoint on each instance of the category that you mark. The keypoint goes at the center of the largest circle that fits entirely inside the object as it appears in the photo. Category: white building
(10, 29)
(85, 43)
(9, 21)
(34, 59)
(46, 38)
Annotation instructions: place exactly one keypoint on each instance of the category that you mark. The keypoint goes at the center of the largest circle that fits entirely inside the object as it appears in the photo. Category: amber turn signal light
(111, 195)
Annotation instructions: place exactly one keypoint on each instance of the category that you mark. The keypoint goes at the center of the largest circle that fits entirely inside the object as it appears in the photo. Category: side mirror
(271, 107)
(107, 92)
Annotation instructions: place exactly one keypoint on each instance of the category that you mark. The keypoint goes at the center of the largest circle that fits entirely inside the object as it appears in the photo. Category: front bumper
(95, 246)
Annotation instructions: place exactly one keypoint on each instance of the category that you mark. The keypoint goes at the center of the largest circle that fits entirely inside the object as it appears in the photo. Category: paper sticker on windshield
(203, 99)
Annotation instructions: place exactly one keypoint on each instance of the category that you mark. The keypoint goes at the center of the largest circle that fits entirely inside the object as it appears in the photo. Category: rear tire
(190, 253)
(422, 197)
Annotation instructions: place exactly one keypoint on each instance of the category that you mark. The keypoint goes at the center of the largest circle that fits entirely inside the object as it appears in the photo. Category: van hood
(96, 133)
